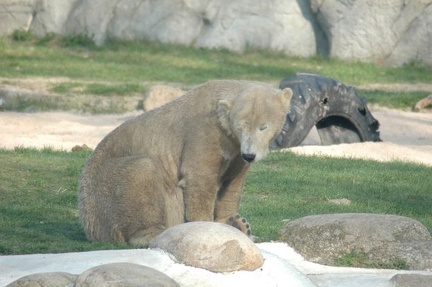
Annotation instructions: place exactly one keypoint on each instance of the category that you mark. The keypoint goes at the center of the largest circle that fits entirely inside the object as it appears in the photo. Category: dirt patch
(34, 84)
(406, 136)
(59, 130)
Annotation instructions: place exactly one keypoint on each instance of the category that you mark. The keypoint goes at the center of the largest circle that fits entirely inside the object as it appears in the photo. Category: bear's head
(255, 118)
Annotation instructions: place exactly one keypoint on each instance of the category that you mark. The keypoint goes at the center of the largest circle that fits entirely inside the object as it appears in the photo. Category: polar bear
(185, 161)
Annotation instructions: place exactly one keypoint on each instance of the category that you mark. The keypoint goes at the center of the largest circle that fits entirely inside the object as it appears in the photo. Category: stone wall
(392, 32)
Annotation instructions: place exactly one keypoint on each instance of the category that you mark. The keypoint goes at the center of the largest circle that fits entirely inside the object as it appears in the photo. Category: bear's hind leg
(142, 201)
(173, 214)
(143, 237)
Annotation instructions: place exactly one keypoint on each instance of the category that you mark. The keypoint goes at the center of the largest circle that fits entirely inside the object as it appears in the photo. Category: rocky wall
(391, 32)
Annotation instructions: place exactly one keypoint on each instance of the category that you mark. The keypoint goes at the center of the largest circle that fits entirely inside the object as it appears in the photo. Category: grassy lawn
(140, 61)
(124, 68)
(287, 186)
(38, 210)
(38, 202)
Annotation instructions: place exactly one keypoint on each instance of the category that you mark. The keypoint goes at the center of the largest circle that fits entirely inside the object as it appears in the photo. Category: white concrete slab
(282, 266)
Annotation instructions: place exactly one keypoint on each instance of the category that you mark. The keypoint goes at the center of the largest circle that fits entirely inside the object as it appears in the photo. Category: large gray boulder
(213, 246)
(392, 31)
(385, 240)
(235, 25)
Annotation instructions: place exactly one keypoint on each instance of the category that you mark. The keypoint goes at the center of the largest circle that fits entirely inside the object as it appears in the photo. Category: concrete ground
(282, 267)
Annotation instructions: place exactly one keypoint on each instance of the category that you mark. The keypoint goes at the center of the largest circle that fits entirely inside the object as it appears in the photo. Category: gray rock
(413, 255)
(16, 15)
(423, 103)
(50, 16)
(414, 45)
(386, 240)
(90, 18)
(395, 31)
(277, 25)
(209, 245)
(124, 274)
(50, 279)
(411, 280)
(392, 32)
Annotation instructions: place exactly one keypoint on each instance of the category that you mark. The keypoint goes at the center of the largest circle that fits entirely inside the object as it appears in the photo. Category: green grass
(98, 88)
(285, 186)
(359, 259)
(393, 100)
(140, 60)
(38, 199)
(122, 68)
(38, 205)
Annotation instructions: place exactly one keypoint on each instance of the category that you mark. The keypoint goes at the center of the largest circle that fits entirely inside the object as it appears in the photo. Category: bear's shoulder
(224, 89)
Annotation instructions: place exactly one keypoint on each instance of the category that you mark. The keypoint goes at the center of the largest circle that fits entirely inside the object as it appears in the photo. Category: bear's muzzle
(248, 157)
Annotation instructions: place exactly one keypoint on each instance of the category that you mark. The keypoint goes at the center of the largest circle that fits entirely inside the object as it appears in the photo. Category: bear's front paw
(240, 223)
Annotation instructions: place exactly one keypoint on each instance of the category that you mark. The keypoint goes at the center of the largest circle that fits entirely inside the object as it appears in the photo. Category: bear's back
(164, 128)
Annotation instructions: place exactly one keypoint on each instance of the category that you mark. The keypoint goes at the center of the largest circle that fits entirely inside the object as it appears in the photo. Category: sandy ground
(406, 136)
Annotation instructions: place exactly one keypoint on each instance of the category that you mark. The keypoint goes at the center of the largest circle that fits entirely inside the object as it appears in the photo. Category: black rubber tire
(336, 110)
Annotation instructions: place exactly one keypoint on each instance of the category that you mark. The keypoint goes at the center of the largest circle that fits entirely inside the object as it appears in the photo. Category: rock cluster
(393, 32)
(181, 255)
(107, 275)
(212, 246)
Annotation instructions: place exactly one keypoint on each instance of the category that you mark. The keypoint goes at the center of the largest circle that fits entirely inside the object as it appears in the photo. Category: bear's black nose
(249, 157)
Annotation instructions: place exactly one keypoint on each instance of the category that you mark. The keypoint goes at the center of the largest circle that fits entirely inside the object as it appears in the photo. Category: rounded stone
(209, 245)
(409, 280)
(48, 279)
(380, 238)
(159, 95)
(124, 274)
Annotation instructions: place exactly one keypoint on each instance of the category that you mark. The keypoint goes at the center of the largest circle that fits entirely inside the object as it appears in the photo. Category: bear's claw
(240, 223)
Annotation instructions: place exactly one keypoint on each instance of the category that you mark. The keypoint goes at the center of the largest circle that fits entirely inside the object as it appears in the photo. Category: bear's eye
(263, 127)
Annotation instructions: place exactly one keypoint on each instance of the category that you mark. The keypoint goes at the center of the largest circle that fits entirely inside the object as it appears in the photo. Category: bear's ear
(286, 95)
(223, 111)
(224, 106)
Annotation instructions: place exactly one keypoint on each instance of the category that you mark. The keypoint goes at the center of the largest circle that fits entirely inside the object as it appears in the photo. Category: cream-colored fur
(184, 161)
